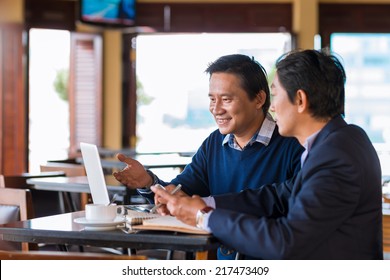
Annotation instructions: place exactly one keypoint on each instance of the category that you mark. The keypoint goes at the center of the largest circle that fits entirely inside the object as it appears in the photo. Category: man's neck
(243, 140)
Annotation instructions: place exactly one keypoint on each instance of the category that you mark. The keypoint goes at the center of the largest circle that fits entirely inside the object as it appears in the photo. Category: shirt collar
(310, 140)
(263, 136)
(307, 145)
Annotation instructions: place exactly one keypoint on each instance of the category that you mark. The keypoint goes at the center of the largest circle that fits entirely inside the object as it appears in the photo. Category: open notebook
(148, 221)
(136, 219)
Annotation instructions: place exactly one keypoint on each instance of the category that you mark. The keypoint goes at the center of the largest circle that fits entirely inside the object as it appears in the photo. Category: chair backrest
(55, 255)
(386, 230)
(15, 205)
(18, 197)
(70, 169)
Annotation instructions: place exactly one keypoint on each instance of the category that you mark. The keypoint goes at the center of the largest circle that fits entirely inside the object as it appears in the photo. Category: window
(48, 103)
(65, 95)
(172, 87)
(366, 58)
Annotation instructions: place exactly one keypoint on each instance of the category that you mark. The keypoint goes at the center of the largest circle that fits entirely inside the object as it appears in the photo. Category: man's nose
(217, 108)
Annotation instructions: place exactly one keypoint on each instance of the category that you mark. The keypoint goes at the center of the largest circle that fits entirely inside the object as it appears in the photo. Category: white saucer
(99, 225)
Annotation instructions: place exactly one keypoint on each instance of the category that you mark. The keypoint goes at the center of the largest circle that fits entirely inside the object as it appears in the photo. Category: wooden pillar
(305, 22)
(13, 101)
(112, 88)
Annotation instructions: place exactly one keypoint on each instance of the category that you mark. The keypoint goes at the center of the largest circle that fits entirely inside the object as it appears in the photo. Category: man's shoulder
(338, 132)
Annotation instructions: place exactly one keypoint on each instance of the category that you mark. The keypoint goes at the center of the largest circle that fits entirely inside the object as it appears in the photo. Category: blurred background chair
(15, 205)
(45, 202)
(45, 255)
(74, 201)
(70, 169)
(386, 232)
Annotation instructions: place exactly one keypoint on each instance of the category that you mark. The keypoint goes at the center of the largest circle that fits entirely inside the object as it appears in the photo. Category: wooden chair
(17, 205)
(386, 230)
(45, 203)
(54, 255)
(71, 170)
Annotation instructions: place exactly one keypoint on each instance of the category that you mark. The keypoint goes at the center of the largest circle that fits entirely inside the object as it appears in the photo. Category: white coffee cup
(100, 212)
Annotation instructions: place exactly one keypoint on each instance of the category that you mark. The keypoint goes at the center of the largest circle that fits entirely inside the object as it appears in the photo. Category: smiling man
(332, 209)
(245, 152)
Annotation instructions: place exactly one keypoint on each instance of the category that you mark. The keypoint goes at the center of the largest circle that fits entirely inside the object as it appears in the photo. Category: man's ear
(301, 101)
(260, 97)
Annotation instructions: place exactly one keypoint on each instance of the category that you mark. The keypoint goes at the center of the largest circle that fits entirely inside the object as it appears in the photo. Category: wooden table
(62, 230)
(20, 181)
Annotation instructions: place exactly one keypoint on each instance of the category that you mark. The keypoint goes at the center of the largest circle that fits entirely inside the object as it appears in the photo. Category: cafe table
(149, 161)
(63, 230)
(79, 184)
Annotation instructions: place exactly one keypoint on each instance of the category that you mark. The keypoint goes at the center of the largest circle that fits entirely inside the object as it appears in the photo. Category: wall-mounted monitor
(113, 13)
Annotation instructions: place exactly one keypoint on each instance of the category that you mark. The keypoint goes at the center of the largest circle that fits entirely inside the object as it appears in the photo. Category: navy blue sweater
(217, 169)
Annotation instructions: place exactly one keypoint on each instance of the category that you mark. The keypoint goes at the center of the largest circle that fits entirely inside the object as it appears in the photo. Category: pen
(175, 190)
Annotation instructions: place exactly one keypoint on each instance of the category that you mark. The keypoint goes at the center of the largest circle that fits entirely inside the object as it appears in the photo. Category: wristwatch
(200, 216)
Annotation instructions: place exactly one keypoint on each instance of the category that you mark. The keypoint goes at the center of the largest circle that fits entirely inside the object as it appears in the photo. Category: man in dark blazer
(332, 208)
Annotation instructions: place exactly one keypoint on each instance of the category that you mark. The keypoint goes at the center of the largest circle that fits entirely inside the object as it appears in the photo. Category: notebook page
(169, 223)
(135, 217)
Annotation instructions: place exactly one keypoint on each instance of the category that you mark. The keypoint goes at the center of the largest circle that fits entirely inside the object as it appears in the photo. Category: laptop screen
(93, 167)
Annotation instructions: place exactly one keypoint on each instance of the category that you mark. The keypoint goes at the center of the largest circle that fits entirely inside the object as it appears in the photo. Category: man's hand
(163, 210)
(134, 174)
(182, 207)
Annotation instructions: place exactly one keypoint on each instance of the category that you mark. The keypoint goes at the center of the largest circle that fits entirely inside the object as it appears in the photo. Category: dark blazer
(332, 209)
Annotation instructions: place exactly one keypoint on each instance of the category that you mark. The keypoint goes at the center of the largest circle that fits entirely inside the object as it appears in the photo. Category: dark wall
(362, 18)
(171, 17)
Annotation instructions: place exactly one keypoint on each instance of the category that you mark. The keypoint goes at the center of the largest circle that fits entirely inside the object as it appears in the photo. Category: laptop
(96, 181)
(95, 175)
